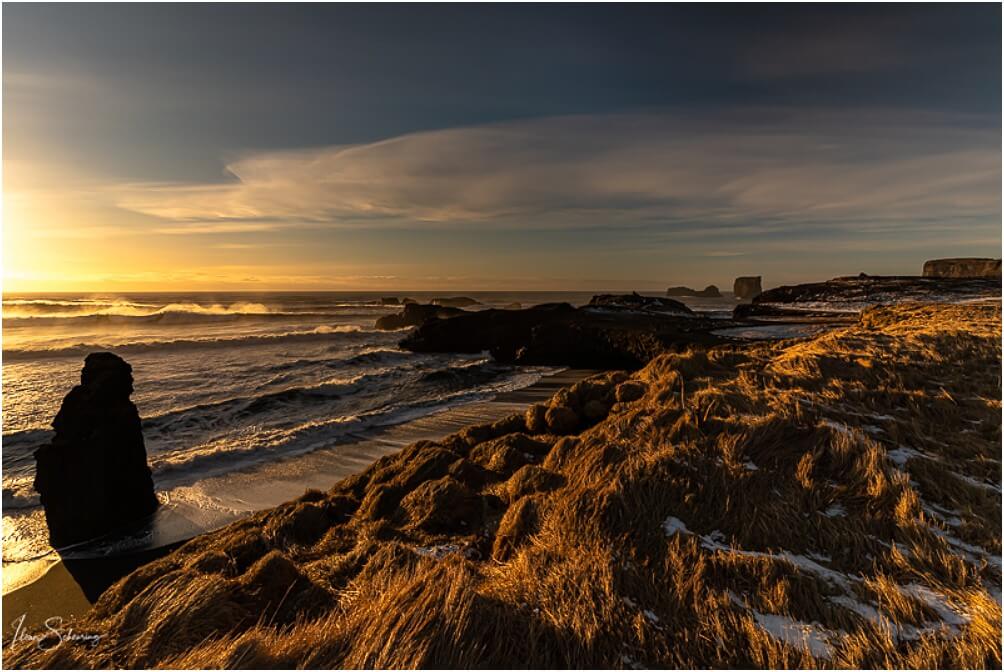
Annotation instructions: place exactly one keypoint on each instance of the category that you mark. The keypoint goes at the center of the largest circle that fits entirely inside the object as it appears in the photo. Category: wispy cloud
(766, 169)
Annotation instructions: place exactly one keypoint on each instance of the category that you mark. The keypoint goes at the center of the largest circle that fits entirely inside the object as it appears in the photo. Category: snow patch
(835, 511)
(795, 633)
(995, 487)
(937, 602)
(902, 455)
(674, 526)
(437, 552)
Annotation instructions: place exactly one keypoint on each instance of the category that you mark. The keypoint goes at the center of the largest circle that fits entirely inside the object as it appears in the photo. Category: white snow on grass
(902, 455)
(835, 511)
(839, 426)
(437, 552)
(940, 513)
(713, 542)
(995, 487)
(938, 603)
(674, 526)
(717, 541)
(814, 637)
(795, 633)
(749, 466)
(975, 553)
(904, 632)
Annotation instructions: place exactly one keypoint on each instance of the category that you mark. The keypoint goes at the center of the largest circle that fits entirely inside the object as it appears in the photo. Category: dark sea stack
(455, 302)
(390, 301)
(747, 287)
(416, 314)
(709, 292)
(92, 477)
(967, 267)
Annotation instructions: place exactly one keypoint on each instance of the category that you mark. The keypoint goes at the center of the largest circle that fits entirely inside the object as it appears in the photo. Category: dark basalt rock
(390, 301)
(709, 292)
(747, 287)
(455, 301)
(966, 267)
(92, 477)
(849, 294)
(601, 335)
(416, 314)
(636, 301)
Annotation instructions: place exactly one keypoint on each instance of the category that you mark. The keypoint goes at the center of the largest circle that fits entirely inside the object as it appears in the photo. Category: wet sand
(52, 586)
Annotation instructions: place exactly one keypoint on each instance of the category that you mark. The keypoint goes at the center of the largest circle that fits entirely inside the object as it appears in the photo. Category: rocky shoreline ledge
(830, 501)
(852, 294)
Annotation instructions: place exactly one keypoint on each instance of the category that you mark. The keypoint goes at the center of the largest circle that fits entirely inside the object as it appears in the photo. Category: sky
(494, 147)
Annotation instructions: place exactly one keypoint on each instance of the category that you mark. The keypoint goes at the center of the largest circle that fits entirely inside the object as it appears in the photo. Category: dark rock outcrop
(603, 335)
(416, 314)
(709, 292)
(636, 302)
(845, 296)
(747, 287)
(92, 477)
(967, 267)
(390, 301)
(455, 301)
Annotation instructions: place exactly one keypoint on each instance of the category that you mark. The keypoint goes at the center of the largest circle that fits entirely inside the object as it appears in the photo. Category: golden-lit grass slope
(831, 502)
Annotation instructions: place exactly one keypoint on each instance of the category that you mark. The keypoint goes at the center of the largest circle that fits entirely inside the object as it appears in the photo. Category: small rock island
(92, 477)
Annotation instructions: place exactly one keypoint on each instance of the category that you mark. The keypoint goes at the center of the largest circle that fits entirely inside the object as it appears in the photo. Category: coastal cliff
(827, 502)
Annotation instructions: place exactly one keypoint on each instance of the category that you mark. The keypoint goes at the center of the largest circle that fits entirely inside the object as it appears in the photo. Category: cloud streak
(682, 172)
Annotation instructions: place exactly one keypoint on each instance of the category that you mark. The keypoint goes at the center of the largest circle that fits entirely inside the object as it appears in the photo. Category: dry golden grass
(827, 503)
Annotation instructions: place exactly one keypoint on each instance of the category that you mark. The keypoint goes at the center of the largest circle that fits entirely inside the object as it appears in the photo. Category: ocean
(225, 381)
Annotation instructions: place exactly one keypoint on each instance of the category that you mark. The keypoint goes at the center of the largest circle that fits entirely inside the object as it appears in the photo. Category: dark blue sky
(180, 97)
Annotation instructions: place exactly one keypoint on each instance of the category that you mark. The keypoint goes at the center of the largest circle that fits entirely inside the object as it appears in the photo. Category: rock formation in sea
(709, 292)
(747, 287)
(390, 301)
(455, 301)
(636, 301)
(612, 331)
(416, 314)
(92, 477)
(967, 267)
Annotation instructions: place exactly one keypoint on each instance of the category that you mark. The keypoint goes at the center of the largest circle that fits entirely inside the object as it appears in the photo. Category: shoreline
(43, 587)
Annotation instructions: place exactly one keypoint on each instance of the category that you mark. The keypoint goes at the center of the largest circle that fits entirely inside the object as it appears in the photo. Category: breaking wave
(82, 349)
